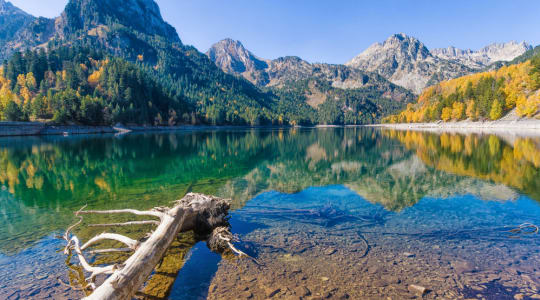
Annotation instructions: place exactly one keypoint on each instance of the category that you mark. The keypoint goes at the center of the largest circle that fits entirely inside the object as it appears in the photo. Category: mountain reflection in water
(43, 180)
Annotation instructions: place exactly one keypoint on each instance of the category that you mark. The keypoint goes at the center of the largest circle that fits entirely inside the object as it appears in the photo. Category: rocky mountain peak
(5, 6)
(505, 51)
(407, 62)
(232, 57)
(12, 20)
(8, 9)
(141, 15)
(228, 42)
(400, 46)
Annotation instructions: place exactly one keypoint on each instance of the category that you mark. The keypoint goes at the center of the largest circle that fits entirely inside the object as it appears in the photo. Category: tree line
(82, 85)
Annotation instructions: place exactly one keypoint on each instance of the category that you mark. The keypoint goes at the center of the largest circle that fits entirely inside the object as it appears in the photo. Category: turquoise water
(338, 213)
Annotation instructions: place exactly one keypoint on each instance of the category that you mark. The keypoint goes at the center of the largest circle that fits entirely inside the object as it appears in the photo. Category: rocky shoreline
(37, 129)
(526, 127)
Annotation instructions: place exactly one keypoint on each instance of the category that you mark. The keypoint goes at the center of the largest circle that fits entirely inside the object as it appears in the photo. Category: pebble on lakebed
(442, 272)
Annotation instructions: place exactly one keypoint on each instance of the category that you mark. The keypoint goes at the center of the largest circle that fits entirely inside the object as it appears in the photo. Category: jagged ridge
(407, 62)
(233, 58)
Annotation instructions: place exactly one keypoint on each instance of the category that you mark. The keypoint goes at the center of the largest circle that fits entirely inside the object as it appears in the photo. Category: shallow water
(333, 213)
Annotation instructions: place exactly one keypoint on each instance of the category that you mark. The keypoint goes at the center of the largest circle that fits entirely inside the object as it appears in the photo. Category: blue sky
(335, 31)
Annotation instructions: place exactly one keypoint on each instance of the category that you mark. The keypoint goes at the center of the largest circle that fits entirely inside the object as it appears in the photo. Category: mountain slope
(525, 56)
(14, 29)
(407, 62)
(142, 16)
(315, 83)
(116, 25)
(11, 20)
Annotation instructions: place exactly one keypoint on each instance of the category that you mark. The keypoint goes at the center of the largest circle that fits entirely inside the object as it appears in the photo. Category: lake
(336, 213)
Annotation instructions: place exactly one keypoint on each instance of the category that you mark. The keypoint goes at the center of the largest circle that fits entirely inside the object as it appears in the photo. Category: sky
(336, 31)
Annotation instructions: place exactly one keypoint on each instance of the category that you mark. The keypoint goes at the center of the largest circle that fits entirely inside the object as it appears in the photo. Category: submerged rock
(417, 289)
(302, 291)
(408, 254)
(330, 251)
(271, 292)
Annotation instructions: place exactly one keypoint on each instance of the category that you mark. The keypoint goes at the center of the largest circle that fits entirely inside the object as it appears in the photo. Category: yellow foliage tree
(446, 114)
(458, 111)
(528, 106)
(471, 109)
(21, 80)
(25, 94)
(31, 81)
(496, 110)
(94, 78)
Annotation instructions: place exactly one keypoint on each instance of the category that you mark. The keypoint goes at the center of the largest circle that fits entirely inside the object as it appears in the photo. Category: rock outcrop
(143, 16)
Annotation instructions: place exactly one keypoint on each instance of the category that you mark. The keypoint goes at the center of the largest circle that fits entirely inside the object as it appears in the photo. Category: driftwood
(205, 215)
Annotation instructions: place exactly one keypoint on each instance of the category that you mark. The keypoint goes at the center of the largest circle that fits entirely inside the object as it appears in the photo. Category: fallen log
(200, 213)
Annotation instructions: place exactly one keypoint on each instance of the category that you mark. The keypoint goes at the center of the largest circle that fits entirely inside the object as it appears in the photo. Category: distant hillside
(481, 96)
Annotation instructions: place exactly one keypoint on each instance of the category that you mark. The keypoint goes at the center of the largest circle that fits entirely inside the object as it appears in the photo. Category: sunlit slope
(488, 95)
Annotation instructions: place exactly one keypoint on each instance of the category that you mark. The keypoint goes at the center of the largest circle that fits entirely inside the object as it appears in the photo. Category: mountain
(20, 30)
(484, 57)
(11, 20)
(233, 58)
(142, 16)
(119, 26)
(407, 62)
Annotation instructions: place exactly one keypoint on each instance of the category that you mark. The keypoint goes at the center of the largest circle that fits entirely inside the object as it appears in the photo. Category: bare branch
(126, 224)
(75, 244)
(110, 250)
(222, 239)
(132, 244)
(153, 213)
(66, 235)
